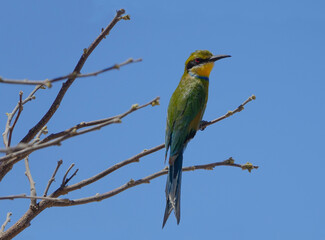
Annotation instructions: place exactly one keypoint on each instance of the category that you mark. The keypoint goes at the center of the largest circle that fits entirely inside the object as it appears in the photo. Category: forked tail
(173, 189)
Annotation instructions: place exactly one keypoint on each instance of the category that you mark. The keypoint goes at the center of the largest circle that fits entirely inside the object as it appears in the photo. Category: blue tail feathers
(173, 188)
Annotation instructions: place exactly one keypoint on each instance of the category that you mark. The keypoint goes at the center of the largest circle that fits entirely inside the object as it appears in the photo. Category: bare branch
(133, 108)
(4, 168)
(53, 199)
(133, 183)
(86, 53)
(204, 124)
(8, 128)
(109, 170)
(13, 157)
(48, 82)
(31, 182)
(24, 196)
(6, 222)
(52, 179)
(31, 96)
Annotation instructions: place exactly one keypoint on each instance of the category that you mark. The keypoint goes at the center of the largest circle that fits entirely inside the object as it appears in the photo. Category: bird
(185, 111)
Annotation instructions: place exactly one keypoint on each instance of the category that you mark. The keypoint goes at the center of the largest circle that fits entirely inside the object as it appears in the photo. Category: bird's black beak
(218, 57)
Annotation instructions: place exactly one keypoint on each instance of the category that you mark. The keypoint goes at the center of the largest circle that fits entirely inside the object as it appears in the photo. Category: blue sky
(277, 50)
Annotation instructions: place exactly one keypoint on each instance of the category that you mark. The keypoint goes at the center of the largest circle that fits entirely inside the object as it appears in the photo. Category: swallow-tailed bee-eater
(185, 111)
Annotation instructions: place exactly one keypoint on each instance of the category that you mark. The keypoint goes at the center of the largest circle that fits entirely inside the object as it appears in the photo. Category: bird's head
(201, 62)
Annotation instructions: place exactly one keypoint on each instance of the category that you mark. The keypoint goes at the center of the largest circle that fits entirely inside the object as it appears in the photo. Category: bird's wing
(185, 112)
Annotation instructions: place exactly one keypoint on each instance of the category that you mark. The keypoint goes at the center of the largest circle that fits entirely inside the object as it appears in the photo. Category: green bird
(185, 112)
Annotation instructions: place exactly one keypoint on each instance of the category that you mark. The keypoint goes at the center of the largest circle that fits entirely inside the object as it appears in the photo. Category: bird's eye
(197, 60)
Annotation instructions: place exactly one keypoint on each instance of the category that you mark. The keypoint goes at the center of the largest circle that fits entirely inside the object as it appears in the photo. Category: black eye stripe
(195, 62)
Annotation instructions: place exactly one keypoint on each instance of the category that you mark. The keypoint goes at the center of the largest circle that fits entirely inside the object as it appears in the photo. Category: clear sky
(277, 50)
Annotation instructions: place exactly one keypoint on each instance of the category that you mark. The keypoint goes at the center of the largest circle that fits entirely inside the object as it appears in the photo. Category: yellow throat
(203, 70)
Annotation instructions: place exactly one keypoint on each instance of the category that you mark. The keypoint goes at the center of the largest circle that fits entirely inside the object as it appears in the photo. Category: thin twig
(68, 179)
(31, 183)
(6, 222)
(48, 82)
(13, 157)
(52, 179)
(16, 148)
(24, 196)
(31, 96)
(204, 124)
(66, 174)
(38, 135)
(20, 109)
